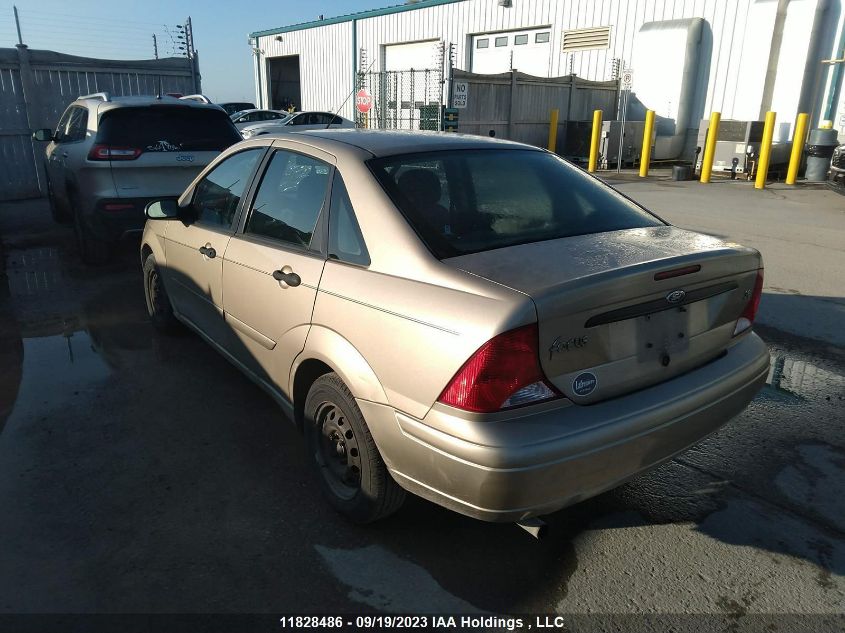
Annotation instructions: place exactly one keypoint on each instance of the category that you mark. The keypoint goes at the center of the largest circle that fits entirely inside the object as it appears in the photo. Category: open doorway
(284, 83)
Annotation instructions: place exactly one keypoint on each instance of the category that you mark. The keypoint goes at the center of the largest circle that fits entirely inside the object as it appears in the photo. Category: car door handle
(291, 278)
(208, 251)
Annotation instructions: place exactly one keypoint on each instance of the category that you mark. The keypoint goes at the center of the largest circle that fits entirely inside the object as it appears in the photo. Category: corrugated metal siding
(17, 178)
(455, 23)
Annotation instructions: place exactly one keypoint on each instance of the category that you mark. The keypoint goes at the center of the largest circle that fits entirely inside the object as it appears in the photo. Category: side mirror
(45, 134)
(166, 209)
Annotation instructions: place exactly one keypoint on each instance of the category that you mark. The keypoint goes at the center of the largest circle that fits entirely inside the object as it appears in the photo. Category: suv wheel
(350, 469)
(159, 308)
(92, 250)
(59, 215)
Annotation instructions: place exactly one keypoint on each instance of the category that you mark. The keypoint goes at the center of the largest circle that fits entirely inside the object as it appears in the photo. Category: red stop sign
(363, 101)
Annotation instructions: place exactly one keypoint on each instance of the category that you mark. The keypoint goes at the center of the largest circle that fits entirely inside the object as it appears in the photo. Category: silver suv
(109, 156)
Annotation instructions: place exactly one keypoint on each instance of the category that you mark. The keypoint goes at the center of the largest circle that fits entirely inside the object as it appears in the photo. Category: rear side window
(168, 129)
(345, 240)
(467, 201)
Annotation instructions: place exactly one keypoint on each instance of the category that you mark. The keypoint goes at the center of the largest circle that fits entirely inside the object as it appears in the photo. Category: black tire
(159, 308)
(61, 216)
(92, 250)
(341, 449)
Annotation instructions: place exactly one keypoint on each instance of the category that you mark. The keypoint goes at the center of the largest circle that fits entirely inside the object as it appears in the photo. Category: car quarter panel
(415, 335)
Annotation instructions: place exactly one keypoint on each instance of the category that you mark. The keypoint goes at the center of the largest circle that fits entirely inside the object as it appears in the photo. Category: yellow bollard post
(765, 150)
(594, 141)
(553, 130)
(645, 157)
(798, 136)
(710, 146)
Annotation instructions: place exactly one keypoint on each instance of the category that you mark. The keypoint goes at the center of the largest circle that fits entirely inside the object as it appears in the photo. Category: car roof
(392, 142)
(145, 100)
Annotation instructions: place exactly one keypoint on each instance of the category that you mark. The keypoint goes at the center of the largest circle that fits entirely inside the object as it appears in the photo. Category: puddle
(58, 372)
(804, 380)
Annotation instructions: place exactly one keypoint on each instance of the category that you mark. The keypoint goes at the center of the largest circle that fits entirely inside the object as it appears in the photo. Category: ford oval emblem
(676, 296)
(584, 384)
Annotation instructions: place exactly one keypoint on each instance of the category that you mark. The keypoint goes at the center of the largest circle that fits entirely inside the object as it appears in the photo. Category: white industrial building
(689, 57)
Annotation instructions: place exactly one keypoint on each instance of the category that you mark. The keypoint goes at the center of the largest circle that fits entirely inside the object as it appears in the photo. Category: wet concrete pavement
(142, 473)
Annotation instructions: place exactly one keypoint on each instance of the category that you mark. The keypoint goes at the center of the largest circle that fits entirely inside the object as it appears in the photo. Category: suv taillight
(109, 152)
(505, 372)
(746, 319)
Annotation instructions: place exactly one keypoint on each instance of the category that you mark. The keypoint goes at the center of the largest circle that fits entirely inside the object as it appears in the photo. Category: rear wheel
(350, 469)
(159, 308)
(92, 249)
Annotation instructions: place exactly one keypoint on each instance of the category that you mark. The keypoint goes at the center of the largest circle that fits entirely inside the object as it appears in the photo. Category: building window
(482, 43)
(520, 39)
(591, 39)
(541, 38)
(502, 41)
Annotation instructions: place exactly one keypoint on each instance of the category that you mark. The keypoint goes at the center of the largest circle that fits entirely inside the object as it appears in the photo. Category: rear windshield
(467, 201)
(168, 129)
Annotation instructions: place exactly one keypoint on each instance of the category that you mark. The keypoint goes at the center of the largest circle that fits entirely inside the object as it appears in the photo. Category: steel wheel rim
(154, 293)
(338, 453)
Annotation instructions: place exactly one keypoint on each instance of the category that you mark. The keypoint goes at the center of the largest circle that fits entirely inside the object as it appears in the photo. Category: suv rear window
(467, 201)
(167, 129)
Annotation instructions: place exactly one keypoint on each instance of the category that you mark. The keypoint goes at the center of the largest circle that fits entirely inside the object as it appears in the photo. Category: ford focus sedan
(473, 321)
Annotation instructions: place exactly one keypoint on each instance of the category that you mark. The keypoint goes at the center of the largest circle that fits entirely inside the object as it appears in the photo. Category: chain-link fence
(402, 99)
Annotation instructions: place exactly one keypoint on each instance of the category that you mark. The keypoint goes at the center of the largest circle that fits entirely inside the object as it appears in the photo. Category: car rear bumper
(114, 218)
(542, 458)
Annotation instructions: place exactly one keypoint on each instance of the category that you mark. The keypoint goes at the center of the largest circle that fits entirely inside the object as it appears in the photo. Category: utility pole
(18, 25)
(155, 46)
(189, 43)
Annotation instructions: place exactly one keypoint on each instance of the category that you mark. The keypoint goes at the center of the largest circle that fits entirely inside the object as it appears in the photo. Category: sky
(123, 29)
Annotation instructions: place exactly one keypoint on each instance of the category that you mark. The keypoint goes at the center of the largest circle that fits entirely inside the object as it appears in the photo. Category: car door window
(63, 128)
(345, 240)
(77, 126)
(299, 119)
(273, 116)
(219, 193)
(289, 199)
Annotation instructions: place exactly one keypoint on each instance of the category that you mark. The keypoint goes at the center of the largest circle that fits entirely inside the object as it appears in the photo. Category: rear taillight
(746, 319)
(109, 152)
(118, 206)
(505, 372)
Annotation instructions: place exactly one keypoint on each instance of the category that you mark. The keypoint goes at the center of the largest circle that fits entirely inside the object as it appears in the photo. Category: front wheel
(350, 469)
(159, 307)
(60, 216)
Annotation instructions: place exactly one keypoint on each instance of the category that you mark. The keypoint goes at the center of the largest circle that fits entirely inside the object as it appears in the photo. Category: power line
(77, 16)
(29, 22)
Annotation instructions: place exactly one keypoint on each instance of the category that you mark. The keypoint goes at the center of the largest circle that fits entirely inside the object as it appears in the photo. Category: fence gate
(402, 99)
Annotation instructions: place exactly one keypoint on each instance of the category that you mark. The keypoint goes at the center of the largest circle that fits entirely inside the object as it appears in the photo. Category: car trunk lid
(622, 310)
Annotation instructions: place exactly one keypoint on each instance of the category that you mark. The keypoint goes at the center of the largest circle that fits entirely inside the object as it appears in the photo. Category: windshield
(238, 106)
(168, 129)
(466, 201)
